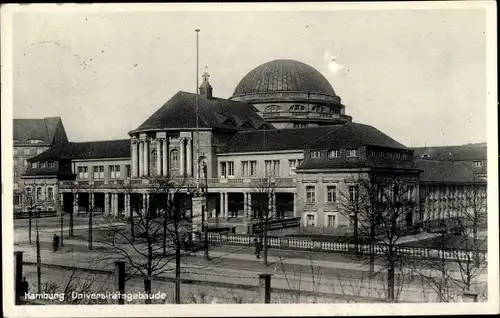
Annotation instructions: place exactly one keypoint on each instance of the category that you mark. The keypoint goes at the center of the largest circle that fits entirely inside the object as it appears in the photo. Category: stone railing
(343, 247)
(276, 224)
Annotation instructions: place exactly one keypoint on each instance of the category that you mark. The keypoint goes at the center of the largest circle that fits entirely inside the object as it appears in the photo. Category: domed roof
(284, 76)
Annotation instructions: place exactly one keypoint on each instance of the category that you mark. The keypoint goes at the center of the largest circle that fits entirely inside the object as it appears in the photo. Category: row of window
(335, 153)
(28, 151)
(302, 108)
(389, 155)
(98, 172)
(249, 168)
(31, 141)
(43, 164)
(38, 193)
(331, 193)
(330, 220)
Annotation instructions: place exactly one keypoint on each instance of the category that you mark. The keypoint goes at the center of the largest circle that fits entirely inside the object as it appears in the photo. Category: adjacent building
(31, 138)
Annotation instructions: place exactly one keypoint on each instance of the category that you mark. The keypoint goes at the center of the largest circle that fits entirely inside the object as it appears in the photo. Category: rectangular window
(276, 168)
(26, 151)
(128, 170)
(477, 164)
(230, 169)
(95, 170)
(310, 194)
(269, 167)
(85, 172)
(50, 193)
(112, 172)
(25, 162)
(331, 194)
(43, 164)
(244, 168)
(52, 164)
(335, 153)
(28, 192)
(353, 193)
(352, 153)
(292, 164)
(311, 220)
(223, 172)
(101, 172)
(316, 154)
(117, 172)
(34, 165)
(39, 151)
(253, 168)
(38, 193)
(330, 221)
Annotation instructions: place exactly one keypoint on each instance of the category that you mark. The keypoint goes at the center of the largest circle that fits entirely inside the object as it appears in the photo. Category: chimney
(205, 87)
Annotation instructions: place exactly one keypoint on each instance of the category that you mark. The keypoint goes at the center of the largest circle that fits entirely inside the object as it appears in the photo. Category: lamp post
(204, 221)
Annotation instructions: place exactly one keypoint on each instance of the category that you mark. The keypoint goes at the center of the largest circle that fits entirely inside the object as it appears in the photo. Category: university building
(284, 122)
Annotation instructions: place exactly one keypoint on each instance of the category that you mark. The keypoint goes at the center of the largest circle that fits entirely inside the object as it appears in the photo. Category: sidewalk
(244, 254)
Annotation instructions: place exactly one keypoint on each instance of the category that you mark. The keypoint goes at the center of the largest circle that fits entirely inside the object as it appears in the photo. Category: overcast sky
(418, 76)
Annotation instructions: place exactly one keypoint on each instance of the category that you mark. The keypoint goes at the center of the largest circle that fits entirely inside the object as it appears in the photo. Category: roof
(283, 76)
(346, 135)
(44, 129)
(454, 153)
(180, 112)
(86, 150)
(374, 163)
(435, 171)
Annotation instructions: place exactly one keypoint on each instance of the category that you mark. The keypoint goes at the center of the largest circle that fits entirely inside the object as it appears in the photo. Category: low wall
(340, 247)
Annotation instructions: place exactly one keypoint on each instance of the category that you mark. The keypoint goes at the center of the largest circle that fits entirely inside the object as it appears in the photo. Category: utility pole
(203, 211)
(197, 114)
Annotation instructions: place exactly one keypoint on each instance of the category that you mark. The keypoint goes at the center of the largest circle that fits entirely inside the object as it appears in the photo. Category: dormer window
(316, 154)
(425, 155)
(43, 164)
(335, 153)
(352, 153)
(34, 165)
(35, 141)
(477, 164)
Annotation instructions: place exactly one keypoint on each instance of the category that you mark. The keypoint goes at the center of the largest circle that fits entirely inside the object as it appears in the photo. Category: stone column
(226, 212)
(134, 159)
(245, 205)
(295, 205)
(106, 203)
(144, 203)
(147, 203)
(146, 157)
(116, 204)
(164, 157)
(181, 157)
(141, 158)
(158, 156)
(75, 204)
(189, 155)
(91, 201)
(221, 208)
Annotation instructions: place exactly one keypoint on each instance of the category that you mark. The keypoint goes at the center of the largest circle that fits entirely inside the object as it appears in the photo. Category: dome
(281, 76)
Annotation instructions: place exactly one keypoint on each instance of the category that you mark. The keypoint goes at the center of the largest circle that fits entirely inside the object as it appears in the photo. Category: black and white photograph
(287, 158)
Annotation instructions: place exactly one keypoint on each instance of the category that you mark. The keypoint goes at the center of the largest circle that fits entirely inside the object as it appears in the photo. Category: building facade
(283, 134)
(31, 138)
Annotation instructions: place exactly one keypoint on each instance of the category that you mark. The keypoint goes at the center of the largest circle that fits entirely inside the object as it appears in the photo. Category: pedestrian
(257, 248)
(55, 242)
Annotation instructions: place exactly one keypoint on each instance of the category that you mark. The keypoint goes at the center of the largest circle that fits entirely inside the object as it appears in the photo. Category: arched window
(152, 161)
(273, 108)
(297, 108)
(318, 109)
(174, 159)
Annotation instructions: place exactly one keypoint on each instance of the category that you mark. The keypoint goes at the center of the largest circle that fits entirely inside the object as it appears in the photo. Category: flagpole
(197, 116)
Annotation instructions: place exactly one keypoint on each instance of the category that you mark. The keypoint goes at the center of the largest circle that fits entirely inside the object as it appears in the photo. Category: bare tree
(33, 200)
(74, 187)
(263, 205)
(460, 245)
(378, 207)
(162, 232)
